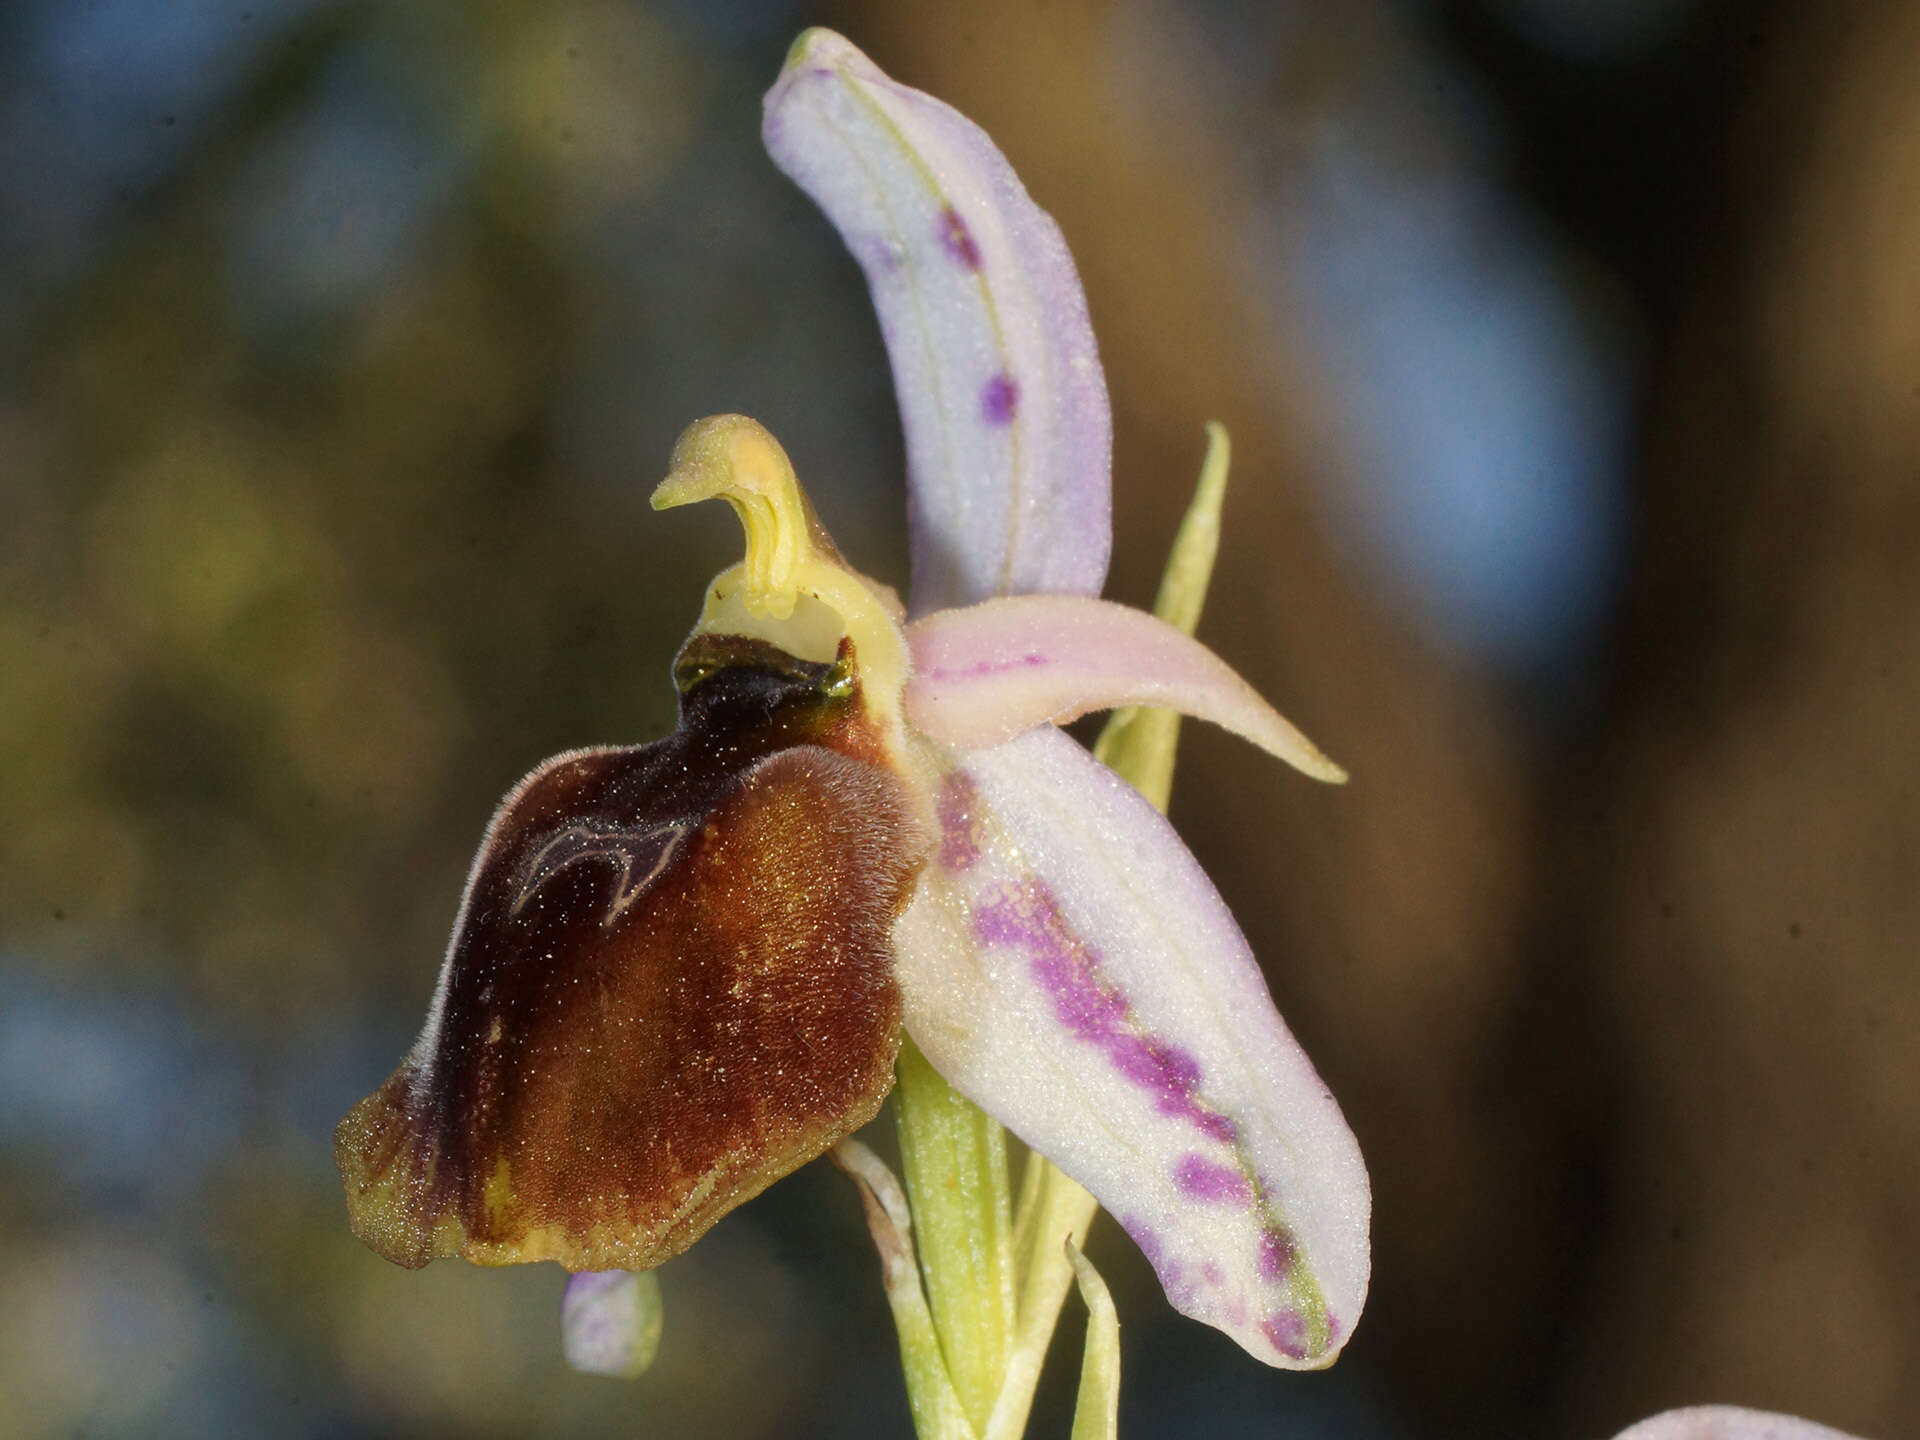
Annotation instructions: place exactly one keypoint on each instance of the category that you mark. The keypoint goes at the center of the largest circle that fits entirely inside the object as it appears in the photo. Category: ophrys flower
(682, 969)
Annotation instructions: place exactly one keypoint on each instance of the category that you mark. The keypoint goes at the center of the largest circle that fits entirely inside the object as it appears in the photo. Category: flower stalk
(954, 1156)
(930, 1395)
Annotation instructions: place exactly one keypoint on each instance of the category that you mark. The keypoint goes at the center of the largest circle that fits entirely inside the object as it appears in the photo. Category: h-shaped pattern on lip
(639, 854)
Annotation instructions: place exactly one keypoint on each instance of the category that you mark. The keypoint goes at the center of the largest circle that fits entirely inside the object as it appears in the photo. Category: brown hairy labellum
(671, 983)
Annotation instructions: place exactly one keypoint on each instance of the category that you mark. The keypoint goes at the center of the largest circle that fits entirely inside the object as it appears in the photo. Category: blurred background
(1572, 357)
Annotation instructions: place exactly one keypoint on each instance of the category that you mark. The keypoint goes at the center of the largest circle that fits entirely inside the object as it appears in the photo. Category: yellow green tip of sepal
(802, 44)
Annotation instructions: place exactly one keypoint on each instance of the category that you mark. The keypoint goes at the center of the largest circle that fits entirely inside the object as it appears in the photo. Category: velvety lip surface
(671, 984)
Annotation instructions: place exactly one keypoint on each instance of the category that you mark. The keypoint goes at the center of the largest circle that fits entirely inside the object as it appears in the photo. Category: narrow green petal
(1096, 1413)
(1183, 587)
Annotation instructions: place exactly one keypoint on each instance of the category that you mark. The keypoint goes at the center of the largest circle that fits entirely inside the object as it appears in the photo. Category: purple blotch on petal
(1209, 1181)
(980, 669)
(1000, 399)
(957, 240)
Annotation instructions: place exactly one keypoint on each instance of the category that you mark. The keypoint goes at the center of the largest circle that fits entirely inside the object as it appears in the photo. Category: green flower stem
(930, 1396)
(1055, 1212)
(955, 1161)
(1052, 1208)
(973, 1342)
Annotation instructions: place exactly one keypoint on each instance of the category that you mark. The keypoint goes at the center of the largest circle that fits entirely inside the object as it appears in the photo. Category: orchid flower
(1728, 1422)
(682, 969)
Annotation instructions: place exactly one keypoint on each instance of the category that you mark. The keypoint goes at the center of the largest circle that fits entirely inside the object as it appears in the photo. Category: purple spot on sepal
(881, 253)
(1091, 1008)
(1277, 1254)
(1158, 1066)
(957, 240)
(1030, 917)
(1148, 1239)
(1000, 399)
(1173, 1275)
(1088, 1010)
(1287, 1332)
(1212, 1123)
(1211, 1182)
(958, 810)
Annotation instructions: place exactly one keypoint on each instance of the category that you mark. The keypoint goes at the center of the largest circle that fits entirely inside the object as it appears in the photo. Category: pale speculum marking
(641, 856)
